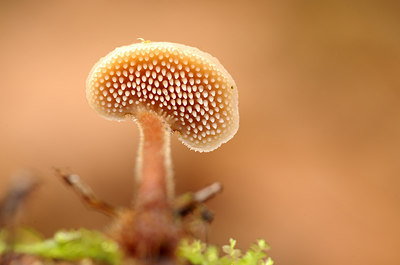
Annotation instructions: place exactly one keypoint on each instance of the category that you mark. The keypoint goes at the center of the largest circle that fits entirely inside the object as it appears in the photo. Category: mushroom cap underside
(188, 88)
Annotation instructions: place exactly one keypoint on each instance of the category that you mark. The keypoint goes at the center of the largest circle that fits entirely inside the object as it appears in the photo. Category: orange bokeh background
(314, 168)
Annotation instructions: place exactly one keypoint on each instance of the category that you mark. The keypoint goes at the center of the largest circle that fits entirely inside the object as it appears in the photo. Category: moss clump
(94, 245)
(66, 245)
(198, 253)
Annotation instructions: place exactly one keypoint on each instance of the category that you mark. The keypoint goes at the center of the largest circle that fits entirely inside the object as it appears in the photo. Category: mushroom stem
(154, 167)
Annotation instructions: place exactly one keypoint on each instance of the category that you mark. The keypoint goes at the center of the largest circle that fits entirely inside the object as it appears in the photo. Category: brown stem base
(149, 234)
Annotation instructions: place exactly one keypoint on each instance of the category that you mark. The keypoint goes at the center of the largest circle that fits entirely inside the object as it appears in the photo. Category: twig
(208, 192)
(189, 202)
(21, 187)
(86, 194)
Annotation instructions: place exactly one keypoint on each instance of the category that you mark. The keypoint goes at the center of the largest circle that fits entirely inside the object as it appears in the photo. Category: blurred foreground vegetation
(93, 245)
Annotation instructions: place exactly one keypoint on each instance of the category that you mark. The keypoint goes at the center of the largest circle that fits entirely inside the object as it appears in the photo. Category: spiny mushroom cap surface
(189, 88)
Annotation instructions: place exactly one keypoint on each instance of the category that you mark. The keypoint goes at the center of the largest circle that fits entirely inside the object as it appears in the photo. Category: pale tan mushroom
(165, 87)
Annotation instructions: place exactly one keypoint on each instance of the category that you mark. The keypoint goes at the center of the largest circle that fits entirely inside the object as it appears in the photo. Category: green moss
(69, 246)
(199, 253)
(84, 244)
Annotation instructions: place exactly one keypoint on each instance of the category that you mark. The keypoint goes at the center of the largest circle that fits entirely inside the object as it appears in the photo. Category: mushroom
(165, 87)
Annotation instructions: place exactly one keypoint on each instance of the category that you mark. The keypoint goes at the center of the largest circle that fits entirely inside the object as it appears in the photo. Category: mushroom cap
(188, 88)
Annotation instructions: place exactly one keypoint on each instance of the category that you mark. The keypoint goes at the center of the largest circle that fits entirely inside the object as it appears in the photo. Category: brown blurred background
(314, 168)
